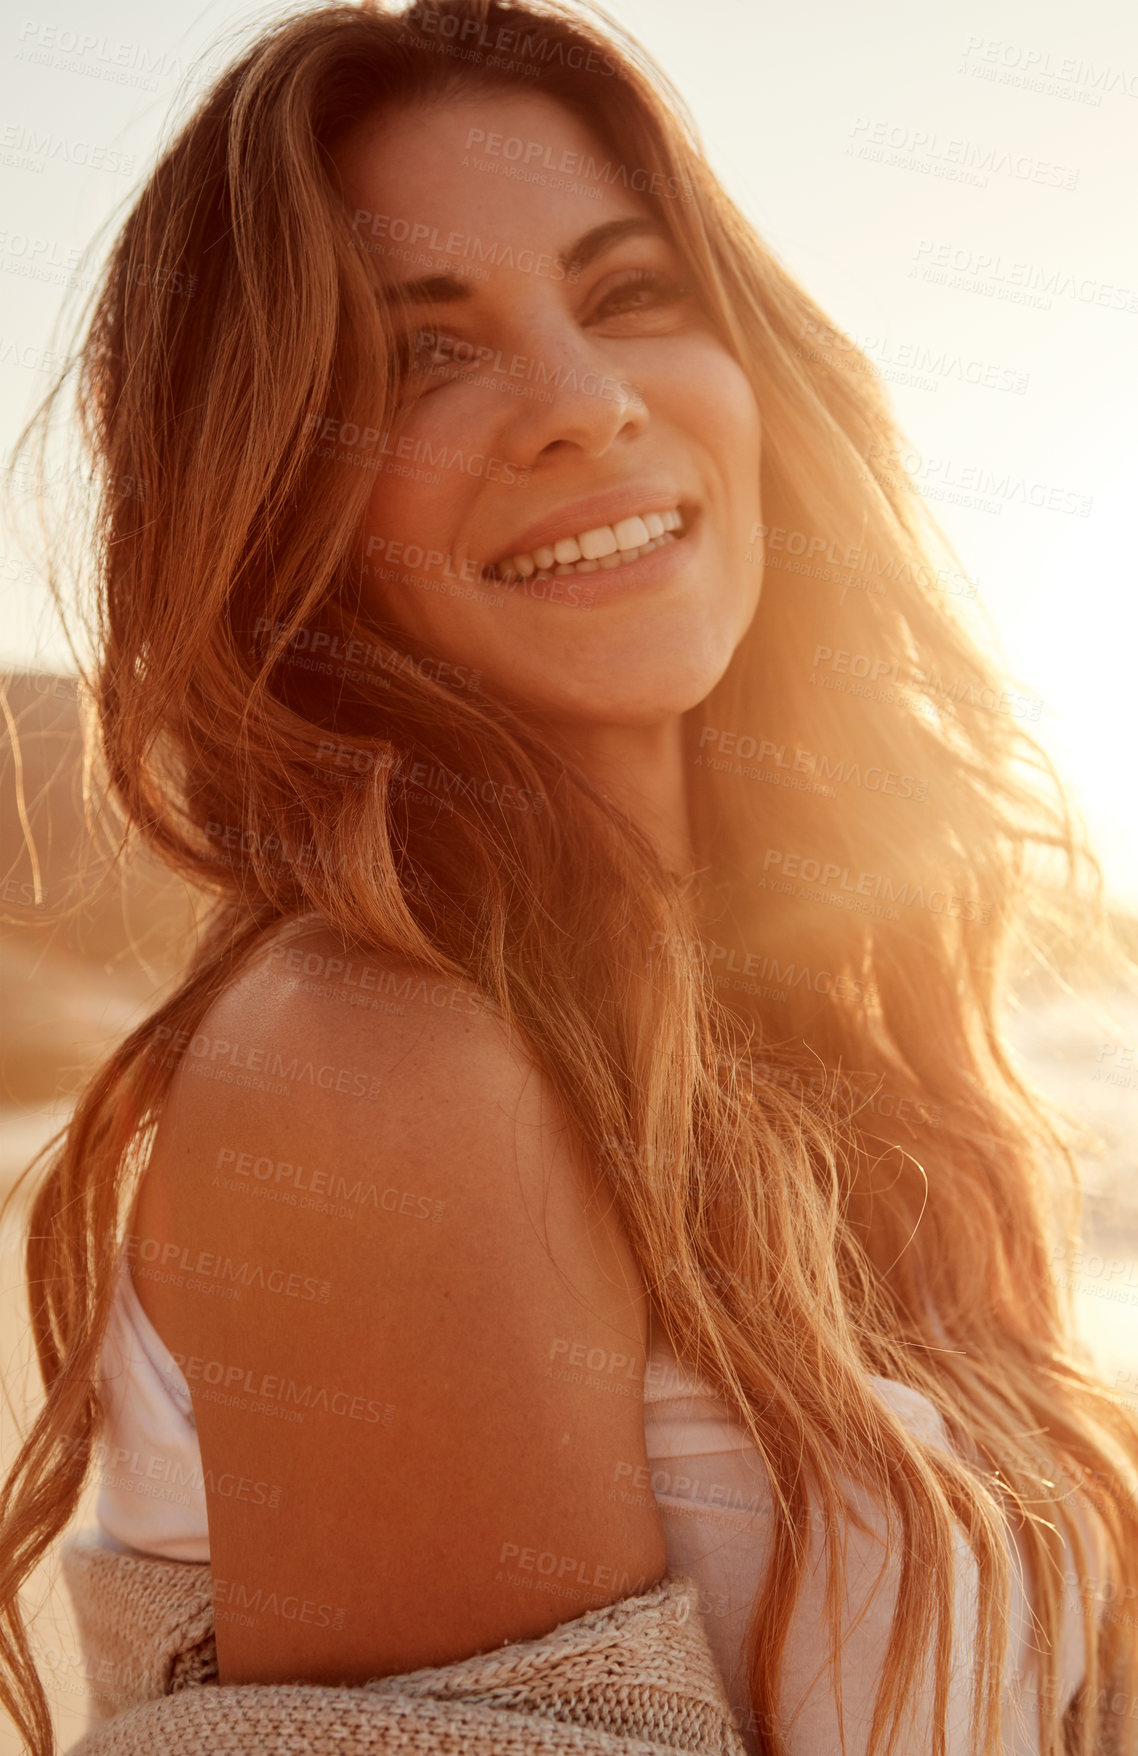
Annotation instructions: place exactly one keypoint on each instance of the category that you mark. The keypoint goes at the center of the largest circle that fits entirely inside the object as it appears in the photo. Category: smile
(605, 546)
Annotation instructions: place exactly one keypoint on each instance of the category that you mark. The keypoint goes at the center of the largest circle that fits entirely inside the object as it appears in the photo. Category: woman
(590, 1085)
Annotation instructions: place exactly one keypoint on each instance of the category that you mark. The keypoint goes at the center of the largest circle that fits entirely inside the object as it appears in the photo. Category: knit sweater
(635, 1678)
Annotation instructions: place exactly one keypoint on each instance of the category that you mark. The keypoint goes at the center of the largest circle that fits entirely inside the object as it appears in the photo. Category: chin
(675, 692)
(627, 705)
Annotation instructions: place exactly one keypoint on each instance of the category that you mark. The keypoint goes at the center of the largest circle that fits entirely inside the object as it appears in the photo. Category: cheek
(737, 427)
(410, 502)
(404, 529)
(717, 407)
(412, 516)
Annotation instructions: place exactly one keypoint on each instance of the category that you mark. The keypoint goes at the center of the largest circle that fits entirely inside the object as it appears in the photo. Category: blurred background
(955, 189)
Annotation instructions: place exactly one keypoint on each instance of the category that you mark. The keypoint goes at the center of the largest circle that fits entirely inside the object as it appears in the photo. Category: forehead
(518, 167)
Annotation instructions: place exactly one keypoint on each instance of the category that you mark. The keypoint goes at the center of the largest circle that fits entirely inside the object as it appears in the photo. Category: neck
(640, 769)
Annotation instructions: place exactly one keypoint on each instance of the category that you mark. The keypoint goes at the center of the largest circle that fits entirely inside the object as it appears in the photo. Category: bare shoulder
(371, 1239)
(306, 984)
(338, 1054)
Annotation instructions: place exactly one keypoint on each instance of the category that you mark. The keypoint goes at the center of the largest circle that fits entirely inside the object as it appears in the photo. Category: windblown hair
(826, 1163)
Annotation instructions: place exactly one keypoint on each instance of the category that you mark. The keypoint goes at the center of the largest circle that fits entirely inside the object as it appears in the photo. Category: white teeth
(596, 544)
(631, 533)
(607, 545)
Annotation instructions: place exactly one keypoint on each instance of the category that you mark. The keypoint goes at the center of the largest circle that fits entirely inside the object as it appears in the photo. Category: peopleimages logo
(427, 780)
(98, 57)
(425, 242)
(876, 886)
(372, 442)
(525, 369)
(729, 745)
(773, 543)
(728, 964)
(23, 148)
(357, 659)
(476, 40)
(178, 1264)
(1044, 70)
(924, 364)
(944, 478)
(535, 155)
(1022, 283)
(871, 673)
(952, 156)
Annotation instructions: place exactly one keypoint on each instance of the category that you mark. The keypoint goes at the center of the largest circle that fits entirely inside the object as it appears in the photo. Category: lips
(597, 533)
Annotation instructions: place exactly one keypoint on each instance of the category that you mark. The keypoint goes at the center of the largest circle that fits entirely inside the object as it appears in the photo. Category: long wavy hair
(790, 1064)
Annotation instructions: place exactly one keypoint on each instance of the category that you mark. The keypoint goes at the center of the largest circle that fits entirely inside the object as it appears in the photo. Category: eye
(427, 350)
(424, 360)
(642, 289)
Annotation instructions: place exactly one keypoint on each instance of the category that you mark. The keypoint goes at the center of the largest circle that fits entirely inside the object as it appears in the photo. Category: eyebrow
(448, 289)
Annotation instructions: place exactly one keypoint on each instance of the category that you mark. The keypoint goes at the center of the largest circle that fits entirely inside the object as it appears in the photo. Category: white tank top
(716, 1507)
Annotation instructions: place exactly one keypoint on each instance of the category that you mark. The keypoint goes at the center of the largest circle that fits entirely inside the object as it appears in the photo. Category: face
(569, 405)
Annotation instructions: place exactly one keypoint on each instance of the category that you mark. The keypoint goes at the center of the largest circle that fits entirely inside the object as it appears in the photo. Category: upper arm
(413, 1237)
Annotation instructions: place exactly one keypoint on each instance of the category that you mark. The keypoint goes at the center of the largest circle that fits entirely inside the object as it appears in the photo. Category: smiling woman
(583, 1148)
(641, 463)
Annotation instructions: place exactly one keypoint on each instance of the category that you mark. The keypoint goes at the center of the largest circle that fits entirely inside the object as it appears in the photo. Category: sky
(953, 186)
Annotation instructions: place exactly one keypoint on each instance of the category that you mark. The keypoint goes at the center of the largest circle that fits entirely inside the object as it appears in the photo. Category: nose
(572, 395)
